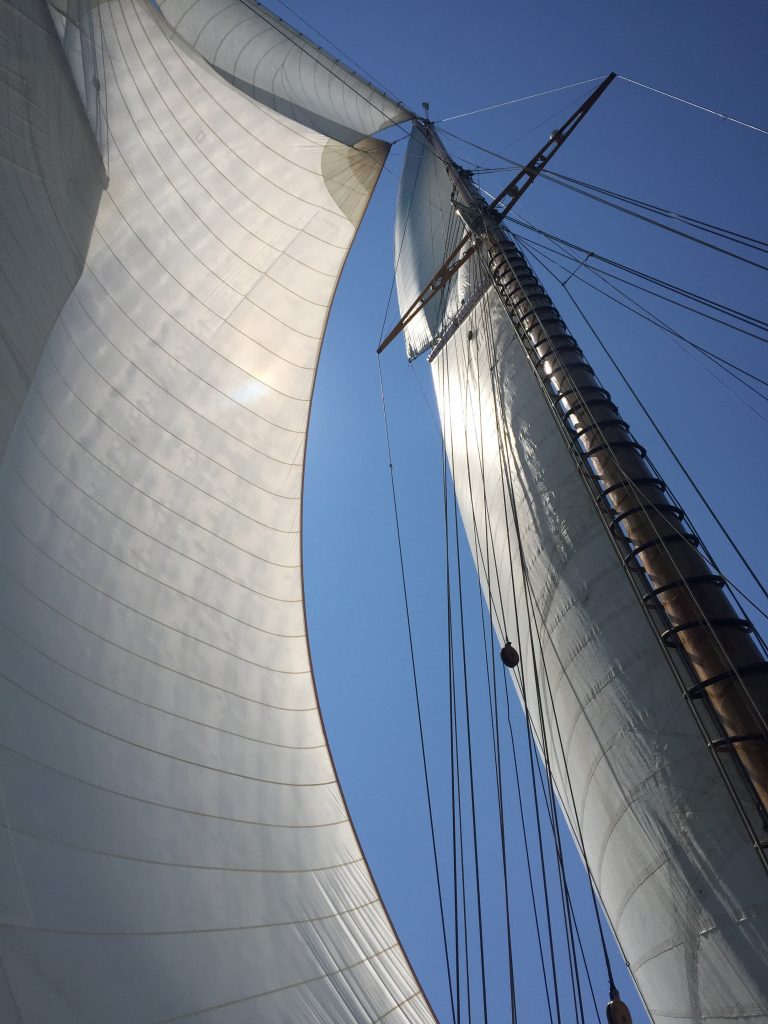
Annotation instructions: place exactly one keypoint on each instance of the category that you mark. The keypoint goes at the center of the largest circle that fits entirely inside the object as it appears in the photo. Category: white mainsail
(51, 178)
(175, 846)
(681, 885)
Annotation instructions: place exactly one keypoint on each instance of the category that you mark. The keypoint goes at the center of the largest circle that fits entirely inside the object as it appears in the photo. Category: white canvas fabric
(51, 179)
(426, 231)
(268, 59)
(75, 25)
(681, 885)
(174, 843)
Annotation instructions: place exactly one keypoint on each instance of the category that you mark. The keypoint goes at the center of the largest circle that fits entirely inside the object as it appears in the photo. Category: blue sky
(461, 57)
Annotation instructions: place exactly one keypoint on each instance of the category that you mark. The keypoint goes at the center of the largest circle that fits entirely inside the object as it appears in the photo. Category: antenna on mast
(425, 105)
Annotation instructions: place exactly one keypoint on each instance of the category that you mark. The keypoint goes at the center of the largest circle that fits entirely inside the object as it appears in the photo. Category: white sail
(266, 58)
(175, 846)
(682, 887)
(51, 179)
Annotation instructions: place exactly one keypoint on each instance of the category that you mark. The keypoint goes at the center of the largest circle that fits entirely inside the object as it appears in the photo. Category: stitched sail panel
(174, 844)
(267, 59)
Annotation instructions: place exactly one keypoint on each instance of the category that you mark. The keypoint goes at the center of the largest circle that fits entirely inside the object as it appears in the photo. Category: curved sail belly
(682, 887)
(175, 845)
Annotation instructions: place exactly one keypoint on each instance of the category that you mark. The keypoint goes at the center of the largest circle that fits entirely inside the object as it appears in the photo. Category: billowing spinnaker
(683, 888)
(175, 845)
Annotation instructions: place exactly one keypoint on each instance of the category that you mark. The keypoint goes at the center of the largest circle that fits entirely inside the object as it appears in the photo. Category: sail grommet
(509, 655)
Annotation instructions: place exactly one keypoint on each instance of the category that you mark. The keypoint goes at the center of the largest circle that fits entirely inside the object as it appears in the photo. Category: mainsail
(175, 845)
(679, 880)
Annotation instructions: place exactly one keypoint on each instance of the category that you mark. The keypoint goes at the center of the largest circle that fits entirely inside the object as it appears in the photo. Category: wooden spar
(528, 174)
(515, 189)
(435, 286)
(684, 594)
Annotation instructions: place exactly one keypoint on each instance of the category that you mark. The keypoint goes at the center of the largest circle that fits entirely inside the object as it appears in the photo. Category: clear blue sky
(460, 57)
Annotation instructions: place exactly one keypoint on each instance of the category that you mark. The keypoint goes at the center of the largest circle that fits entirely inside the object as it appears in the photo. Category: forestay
(175, 843)
(681, 885)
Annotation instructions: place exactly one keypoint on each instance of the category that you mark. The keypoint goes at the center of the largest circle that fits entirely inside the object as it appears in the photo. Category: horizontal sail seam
(188, 931)
(223, 868)
(164, 753)
(161, 710)
(171, 807)
(155, 501)
(172, 358)
(161, 465)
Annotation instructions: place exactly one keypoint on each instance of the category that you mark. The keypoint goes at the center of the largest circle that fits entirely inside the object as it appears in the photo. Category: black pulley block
(509, 655)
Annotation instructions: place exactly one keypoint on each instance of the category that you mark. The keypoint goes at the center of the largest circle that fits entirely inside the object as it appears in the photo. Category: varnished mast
(722, 670)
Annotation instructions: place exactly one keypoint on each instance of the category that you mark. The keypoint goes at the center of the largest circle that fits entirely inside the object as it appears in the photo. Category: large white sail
(51, 179)
(682, 887)
(175, 846)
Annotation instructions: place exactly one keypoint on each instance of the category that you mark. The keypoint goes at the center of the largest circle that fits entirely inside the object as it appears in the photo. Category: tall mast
(710, 643)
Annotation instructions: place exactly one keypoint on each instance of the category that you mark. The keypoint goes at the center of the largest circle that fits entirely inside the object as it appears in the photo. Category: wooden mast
(722, 668)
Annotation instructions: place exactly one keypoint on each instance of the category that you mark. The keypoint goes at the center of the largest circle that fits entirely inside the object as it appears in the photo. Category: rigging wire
(491, 661)
(586, 189)
(535, 252)
(704, 226)
(576, 984)
(662, 437)
(470, 758)
(455, 791)
(508, 490)
(568, 917)
(520, 99)
(499, 610)
(573, 939)
(623, 78)
(410, 635)
(655, 223)
(724, 653)
(738, 315)
(448, 416)
(415, 681)
(723, 528)
(698, 106)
